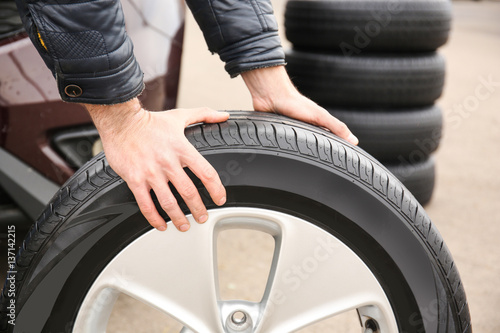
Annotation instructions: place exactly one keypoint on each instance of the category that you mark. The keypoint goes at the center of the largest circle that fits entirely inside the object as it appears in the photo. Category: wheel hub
(239, 321)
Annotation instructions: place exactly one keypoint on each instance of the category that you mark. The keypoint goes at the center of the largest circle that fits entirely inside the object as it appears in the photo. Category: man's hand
(272, 91)
(149, 150)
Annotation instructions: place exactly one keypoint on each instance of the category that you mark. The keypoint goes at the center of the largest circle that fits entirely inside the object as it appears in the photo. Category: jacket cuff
(260, 51)
(87, 48)
(109, 87)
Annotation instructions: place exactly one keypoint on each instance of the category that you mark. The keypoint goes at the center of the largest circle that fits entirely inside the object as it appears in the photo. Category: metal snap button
(72, 90)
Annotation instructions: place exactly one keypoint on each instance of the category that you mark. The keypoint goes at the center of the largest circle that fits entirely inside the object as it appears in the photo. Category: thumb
(206, 115)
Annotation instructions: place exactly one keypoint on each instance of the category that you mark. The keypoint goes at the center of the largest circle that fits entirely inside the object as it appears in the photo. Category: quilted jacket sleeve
(243, 32)
(85, 45)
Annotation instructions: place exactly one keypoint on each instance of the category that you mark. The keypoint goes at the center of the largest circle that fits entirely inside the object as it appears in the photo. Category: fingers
(321, 117)
(208, 176)
(337, 127)
(154, 168)
(169, 204)
(191, 196)
(189, 193)
(147, 207)
(205, 115)
(187, 190)
(192, 159)
(199, 165)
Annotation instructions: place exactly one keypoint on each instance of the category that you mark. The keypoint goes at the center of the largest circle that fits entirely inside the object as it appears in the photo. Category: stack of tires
(373, 64)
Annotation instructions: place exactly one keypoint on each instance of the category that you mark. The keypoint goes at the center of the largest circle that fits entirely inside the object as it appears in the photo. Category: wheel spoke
(171, 271)
(315, 276)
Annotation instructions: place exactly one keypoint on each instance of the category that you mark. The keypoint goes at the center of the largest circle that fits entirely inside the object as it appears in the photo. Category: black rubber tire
(395, 135)
(265, 161)
(418, 177)
(352, 27)
(368, 81)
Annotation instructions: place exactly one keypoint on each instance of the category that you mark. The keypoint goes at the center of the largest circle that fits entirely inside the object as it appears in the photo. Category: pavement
(465, 203)
(465, 206)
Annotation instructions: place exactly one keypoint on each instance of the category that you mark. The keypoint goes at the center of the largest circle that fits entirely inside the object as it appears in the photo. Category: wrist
(268, 85)
(116, 118)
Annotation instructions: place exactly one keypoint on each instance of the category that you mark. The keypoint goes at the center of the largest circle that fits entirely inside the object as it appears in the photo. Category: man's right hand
(149, 150)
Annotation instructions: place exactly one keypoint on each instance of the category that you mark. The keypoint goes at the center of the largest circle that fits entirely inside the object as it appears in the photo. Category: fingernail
(203, 219)
(162, 228)
(184, 227)
(352, 139)
(222, 201)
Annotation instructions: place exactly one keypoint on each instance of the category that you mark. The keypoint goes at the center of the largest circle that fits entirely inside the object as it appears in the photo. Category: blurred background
(466, 199)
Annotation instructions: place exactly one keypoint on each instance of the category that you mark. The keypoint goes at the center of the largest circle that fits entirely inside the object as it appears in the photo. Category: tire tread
(368, 81)
(333, 25)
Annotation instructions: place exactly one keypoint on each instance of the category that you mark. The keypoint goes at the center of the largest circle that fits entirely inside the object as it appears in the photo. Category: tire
(395, 135)
(419, 177)
(352, 27)
(368, 81)
(269, 164)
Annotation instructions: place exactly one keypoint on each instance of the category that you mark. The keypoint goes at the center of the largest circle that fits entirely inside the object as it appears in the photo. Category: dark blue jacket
(85, 45)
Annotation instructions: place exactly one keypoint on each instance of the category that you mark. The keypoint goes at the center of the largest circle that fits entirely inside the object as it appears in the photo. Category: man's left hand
(272, 91)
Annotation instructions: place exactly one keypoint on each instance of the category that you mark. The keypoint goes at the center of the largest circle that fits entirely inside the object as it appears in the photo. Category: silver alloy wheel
(336, 279)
